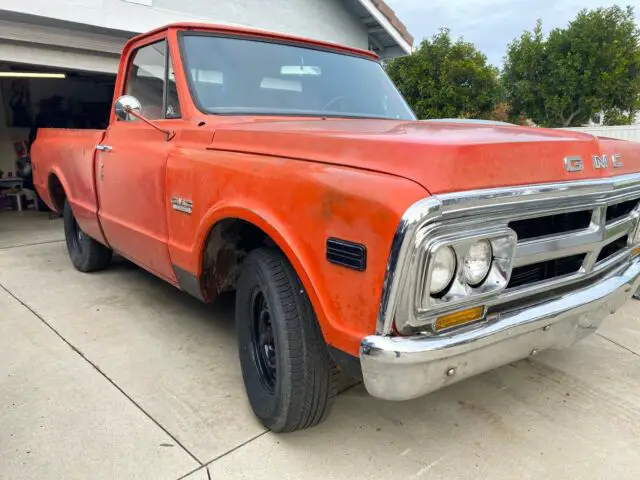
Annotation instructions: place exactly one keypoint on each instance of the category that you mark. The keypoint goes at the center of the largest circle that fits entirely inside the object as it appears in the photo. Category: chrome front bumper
(401, 368)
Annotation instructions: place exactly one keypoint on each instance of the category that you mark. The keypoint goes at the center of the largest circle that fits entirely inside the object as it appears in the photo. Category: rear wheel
(290, 379)
(86, 254)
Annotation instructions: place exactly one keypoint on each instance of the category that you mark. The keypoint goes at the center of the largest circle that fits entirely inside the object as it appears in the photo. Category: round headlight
(477, 262)
(444, 267)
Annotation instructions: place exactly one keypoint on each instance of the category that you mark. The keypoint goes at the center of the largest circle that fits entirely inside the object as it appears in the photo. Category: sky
(491, 24)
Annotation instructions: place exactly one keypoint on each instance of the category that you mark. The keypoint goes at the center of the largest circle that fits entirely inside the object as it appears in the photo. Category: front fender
(299, 205)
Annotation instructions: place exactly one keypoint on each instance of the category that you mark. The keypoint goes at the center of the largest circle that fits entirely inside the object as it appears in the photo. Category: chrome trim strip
(497, 207)
(550, 248)
(620, 227)
(472, 200)
(418, 214)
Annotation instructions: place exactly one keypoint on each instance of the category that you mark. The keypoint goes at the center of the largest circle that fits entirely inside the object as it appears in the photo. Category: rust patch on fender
(222, 260)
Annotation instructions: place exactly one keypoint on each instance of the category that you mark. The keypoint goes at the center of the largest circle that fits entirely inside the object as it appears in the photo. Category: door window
(152, 81)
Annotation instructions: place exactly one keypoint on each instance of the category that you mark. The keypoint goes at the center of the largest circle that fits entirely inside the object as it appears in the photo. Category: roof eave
(382, 20)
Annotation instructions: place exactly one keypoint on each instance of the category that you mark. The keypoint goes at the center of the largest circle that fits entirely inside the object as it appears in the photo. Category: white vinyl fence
(626, 132)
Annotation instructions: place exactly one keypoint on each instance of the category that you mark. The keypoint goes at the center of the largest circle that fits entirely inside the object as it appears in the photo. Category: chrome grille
(614, 247)
(562, 244)
(538, 272)
(621, 209)
(570, 234)
(551, 224)
(605, 236)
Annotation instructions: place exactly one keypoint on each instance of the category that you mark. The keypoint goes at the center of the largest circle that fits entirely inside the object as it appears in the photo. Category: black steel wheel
(263, 341)
(77, 235)
(289, 377)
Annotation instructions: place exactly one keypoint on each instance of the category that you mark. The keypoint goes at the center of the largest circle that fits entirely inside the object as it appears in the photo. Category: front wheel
(86, 254)
(289, 376)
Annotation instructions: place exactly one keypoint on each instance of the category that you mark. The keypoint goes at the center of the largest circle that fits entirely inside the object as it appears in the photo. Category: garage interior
(33, 97)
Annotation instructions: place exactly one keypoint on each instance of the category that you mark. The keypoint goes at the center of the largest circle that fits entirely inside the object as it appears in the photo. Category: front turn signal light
(457, 319)
(635, 252)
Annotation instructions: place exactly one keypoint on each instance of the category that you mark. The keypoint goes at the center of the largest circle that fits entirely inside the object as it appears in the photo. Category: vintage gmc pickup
(410, 254)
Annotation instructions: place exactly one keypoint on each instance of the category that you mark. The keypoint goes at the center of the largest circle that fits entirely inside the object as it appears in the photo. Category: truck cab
(358, 240)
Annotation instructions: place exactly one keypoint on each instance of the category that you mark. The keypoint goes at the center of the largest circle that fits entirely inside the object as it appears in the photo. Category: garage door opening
(33, 97)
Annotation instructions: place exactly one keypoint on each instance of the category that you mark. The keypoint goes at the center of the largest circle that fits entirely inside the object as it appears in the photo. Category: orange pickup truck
(357, 239)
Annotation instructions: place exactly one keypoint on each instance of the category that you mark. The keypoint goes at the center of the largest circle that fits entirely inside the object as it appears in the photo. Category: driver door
(131, 165)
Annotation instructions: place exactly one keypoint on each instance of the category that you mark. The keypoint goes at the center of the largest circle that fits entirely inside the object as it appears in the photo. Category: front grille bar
(599, 234)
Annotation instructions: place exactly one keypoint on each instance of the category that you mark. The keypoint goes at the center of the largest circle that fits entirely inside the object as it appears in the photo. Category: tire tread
(314, 375)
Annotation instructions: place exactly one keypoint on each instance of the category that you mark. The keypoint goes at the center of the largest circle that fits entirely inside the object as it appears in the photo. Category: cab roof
(233, 30)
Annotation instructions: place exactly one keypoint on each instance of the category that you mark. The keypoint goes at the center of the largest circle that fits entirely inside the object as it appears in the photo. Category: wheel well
(57, 193)
(228, 243)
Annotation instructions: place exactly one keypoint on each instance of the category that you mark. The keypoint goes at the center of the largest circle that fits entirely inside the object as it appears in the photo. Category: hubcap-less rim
(264, 348)
(77, 235)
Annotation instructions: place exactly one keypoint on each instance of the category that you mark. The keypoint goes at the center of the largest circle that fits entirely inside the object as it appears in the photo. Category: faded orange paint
(300, 180)
(299, 205)
(68, 155)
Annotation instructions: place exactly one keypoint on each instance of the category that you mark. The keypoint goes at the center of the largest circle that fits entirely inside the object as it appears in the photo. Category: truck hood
(440, 156)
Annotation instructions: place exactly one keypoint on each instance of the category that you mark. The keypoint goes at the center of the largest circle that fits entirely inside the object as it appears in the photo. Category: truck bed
(63, 157)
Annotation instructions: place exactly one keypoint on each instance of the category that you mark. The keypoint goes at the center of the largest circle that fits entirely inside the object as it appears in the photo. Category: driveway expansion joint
(103, 374)
(618, 344)
(22, 245)
(237, 447)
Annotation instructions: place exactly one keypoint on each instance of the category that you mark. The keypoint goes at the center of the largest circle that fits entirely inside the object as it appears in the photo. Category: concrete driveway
(119, 375)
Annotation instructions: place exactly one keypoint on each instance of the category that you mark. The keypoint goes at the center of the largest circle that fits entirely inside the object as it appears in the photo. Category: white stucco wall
(320, 19)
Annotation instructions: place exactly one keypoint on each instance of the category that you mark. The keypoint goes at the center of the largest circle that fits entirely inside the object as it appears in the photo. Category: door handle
(103, 148)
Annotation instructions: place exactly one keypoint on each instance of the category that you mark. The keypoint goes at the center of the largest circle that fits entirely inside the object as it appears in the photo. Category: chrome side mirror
(125, 106)
(128, 108)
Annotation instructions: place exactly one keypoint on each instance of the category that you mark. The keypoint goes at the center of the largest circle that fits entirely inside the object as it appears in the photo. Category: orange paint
(301, 180)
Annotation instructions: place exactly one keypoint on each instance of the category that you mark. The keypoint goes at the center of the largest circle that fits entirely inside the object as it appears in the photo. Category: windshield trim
(274, 112)
(226, 112)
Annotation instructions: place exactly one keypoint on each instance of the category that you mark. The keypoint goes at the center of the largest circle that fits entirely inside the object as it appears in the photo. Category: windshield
(234, 76)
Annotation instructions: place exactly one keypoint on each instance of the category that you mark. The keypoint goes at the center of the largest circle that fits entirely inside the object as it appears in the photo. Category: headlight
(459, 268)
(477, 262)
(444, 267)
(456, 270)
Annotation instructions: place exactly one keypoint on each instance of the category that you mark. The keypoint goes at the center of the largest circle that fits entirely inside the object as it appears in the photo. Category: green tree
(446, 79)
(565, 79)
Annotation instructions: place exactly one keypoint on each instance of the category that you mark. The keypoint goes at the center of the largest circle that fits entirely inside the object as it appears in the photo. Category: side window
(149, 73)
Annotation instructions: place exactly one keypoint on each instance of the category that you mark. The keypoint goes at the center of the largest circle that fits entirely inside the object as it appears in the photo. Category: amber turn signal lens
(635, 251)
(459, 318)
